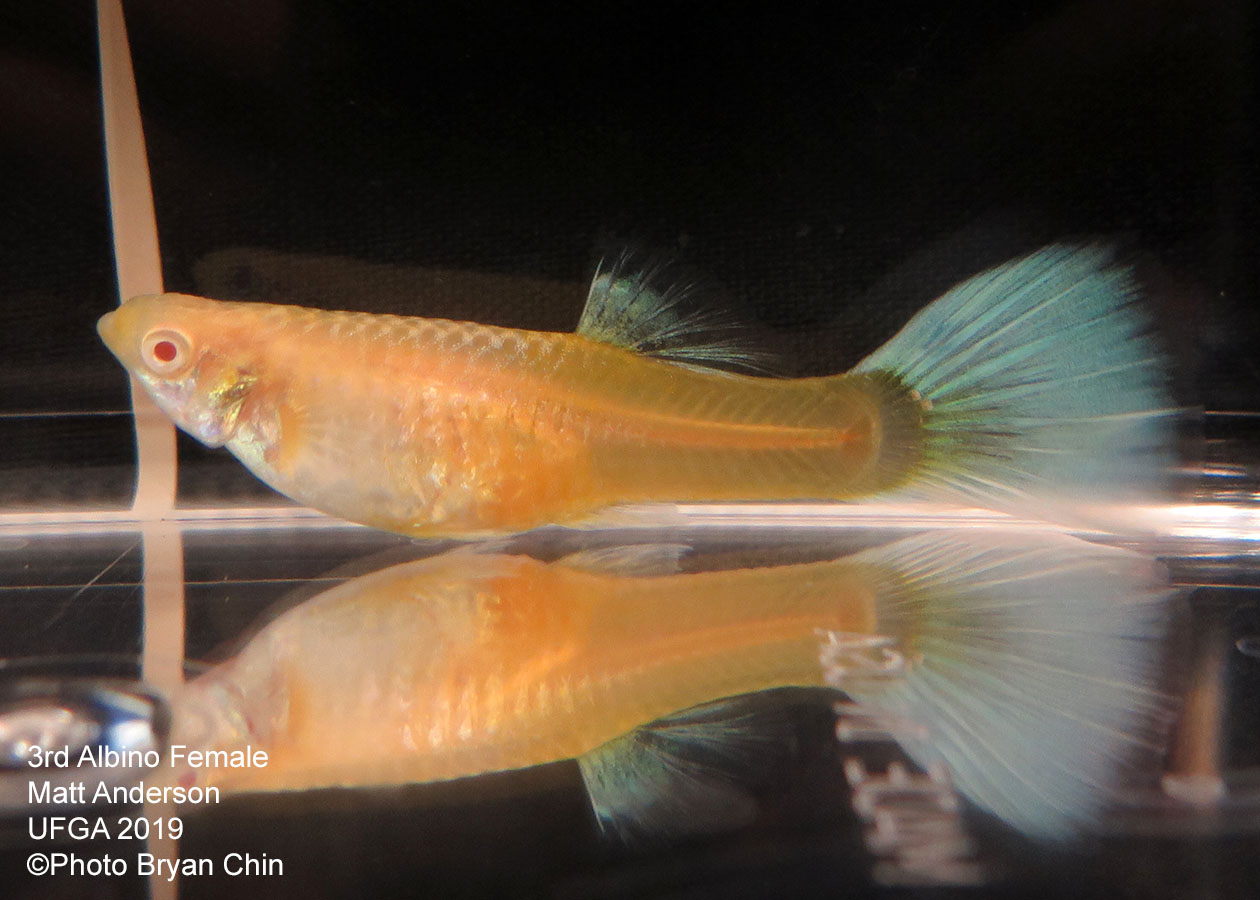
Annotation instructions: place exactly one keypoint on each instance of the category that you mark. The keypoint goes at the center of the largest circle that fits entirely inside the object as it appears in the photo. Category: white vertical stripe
(139, 266)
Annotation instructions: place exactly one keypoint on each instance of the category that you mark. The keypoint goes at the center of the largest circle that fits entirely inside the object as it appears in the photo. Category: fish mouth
(107, 328)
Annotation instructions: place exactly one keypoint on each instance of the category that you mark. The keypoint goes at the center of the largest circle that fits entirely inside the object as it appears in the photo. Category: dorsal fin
(646, 306)
(691, 773)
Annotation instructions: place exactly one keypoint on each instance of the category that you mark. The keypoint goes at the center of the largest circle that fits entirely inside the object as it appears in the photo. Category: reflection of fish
(1033, 378)
(1028, 662)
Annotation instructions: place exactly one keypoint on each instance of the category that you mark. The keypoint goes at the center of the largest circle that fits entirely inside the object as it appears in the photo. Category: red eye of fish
(166, 351)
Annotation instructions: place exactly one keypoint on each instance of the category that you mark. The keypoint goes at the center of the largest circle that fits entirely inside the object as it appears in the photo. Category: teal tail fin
(1037, 379)
(1031, 665)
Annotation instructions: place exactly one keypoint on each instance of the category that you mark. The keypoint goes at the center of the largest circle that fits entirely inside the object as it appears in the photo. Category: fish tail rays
(1039, 387)
(1032, 665)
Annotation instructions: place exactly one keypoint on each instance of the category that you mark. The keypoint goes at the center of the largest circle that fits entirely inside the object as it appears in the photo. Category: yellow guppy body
(1032, 380)
(426, 426)
(466, 664)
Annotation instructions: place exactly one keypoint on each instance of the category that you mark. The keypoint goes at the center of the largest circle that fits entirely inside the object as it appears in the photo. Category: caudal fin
(1032, 668)
(1038, 381)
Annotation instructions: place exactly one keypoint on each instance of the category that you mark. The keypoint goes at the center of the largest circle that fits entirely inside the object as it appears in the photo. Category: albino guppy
(1033, 380)
(1028, 660)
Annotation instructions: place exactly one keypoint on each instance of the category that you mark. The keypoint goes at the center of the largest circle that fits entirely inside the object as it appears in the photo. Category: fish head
(194, 357)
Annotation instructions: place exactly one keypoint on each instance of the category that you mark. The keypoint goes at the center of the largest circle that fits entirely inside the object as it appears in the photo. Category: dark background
(830, 167)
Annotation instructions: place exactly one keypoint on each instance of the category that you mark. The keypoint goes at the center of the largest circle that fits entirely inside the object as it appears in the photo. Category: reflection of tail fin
(1031, 663)
(1036, 379)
